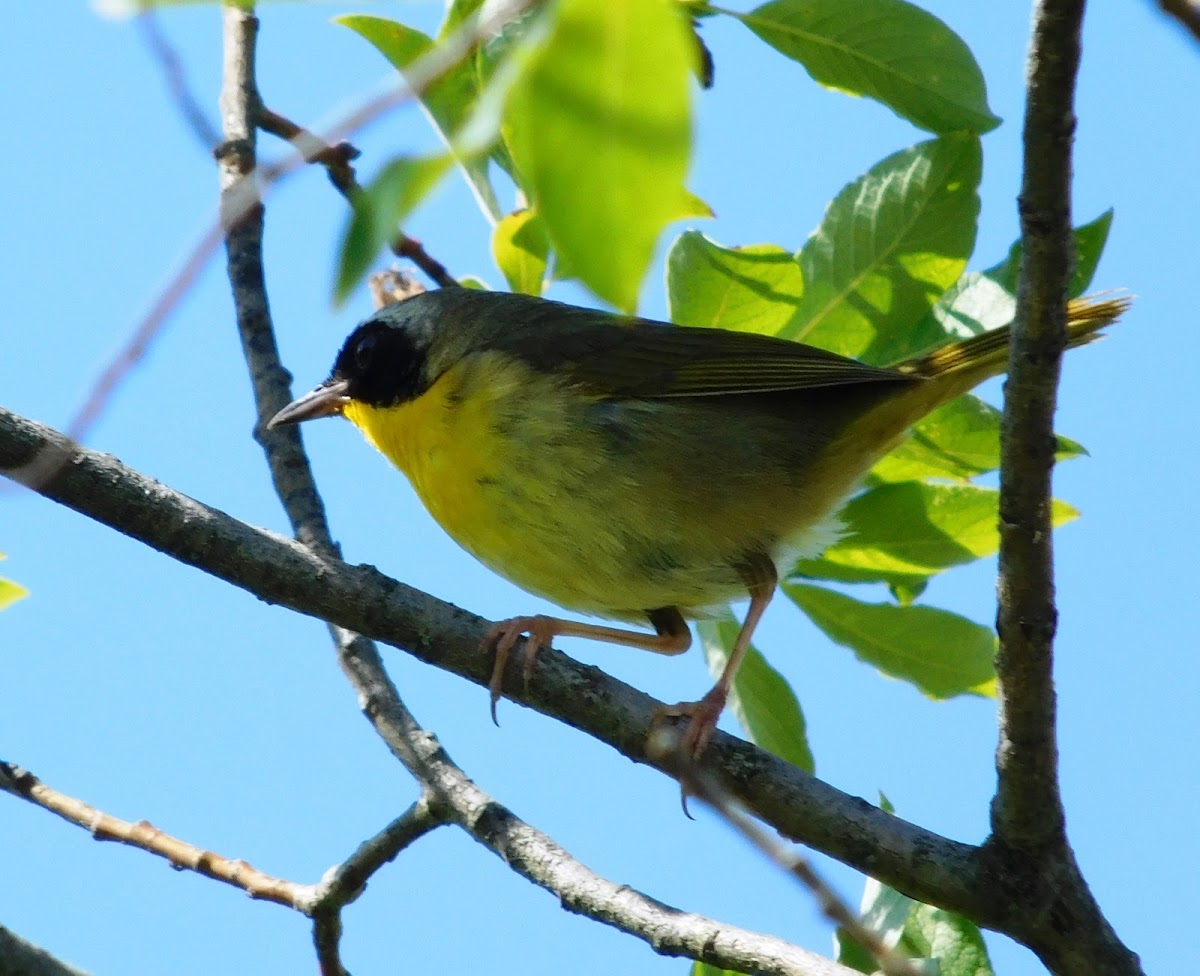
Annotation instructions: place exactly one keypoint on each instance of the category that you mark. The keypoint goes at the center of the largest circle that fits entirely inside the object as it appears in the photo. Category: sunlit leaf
(751, 289)
(888, 50)
(953, 941)
(448, 102)
(598, 124)
(522, 249)
(939, 652)
(941, 941)
(885, 912)
(890, 244)
(903, 533)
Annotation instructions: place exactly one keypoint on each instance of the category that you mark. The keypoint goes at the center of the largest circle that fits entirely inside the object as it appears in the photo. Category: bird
(629, 469)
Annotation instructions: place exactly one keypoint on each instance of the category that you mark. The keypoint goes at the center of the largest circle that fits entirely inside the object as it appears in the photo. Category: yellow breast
(601, 507)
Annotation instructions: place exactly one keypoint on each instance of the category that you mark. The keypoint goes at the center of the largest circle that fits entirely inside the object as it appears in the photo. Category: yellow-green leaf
(888, 50)
(890, 244)
(941, 653)
(750, 289)
(522, 249)
(904, 532)
(599, 127)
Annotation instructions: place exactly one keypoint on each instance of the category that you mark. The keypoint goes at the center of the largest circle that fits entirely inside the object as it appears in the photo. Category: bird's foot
(502, 637)
(702, 719)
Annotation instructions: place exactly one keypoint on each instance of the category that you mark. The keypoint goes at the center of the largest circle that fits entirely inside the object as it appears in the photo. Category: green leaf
(890, 244)
(457, 13)
(903, 533)
(953, 941)
(749, 289)
(378, 212)
(763, 702)
(907, 593)
(888, 50)
(982, 301)
(598, 125)
(1090, 239)
(939, 652)
(958, 440)
(522, 251)
(448, 102)
(919, 932)
(886, 912)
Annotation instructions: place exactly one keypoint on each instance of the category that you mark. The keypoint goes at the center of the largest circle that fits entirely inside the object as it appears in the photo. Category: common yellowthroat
(634, 470)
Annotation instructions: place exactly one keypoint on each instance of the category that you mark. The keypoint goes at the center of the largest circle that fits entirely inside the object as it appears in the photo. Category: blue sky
(155, 692)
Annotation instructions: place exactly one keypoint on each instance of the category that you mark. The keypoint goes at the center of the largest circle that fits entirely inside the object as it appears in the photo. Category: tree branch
(345, 882)
(538, 859)
(172, 69)
(1061, 921)
(337, 162)
(1028, 810)
(145, 836)
(275, 569)
(1187, 12)
(21, 958)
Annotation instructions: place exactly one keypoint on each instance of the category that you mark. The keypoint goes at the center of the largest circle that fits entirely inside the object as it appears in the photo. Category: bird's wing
(638, 357)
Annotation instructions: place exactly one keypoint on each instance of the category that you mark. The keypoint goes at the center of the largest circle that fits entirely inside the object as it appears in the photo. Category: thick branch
(1058, 917)
(920, 863)
(1028, 810)
(21, 958)
(1187, 12)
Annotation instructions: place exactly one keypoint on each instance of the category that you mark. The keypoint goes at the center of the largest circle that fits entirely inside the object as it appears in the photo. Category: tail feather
(986, 354)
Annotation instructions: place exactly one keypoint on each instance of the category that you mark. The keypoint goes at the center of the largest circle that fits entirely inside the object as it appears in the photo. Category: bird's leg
(702, 715)
(671, 637)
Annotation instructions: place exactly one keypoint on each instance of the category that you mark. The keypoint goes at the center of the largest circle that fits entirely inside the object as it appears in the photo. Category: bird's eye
(364, 350)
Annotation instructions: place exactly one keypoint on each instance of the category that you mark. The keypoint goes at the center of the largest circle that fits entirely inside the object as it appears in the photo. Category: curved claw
(502, 636)
(702, 719)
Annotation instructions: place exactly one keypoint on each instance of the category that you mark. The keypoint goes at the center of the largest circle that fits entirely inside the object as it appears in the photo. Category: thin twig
(322, 901)
(343, 883)
(172, 69)
(290, 470)
(700, 783)
(145, 836)
(337, 162)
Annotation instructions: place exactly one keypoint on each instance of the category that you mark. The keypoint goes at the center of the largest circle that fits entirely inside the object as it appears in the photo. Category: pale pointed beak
(327, 400)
